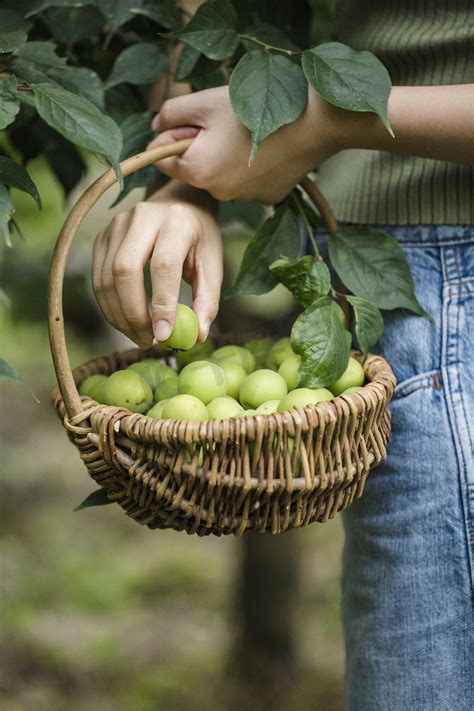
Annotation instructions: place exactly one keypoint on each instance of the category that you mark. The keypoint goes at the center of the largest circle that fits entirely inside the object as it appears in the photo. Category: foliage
(76, 75)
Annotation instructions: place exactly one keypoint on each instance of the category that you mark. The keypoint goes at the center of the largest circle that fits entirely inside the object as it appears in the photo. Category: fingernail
(155, 124)
(162, 330)
(205, 328)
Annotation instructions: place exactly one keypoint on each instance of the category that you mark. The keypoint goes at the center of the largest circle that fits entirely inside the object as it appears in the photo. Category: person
(408, 570)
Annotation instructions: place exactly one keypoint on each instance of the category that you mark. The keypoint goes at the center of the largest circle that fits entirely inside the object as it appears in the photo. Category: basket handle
(57, 337)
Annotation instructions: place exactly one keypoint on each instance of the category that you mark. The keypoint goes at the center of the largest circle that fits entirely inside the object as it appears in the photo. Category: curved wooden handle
(57, 336)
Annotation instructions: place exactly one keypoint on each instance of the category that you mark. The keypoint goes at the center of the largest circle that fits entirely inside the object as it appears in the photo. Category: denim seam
(447, 366)
(442, 242)
(415, 383)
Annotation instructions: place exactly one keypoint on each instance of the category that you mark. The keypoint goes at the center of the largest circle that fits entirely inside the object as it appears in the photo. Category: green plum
(289, 371)
(93, 387)
(167, 388)
(304, 396)
(235, 354)
(185, 407)
(203, 379)
(260, 386)
(234, 374)
(185, 330)
(266, 408)
(200, 351)
(278, 353)
(157, 410)
(353, 376)
(259, 347)
(125, 388)
(221, 408)
(153, 370)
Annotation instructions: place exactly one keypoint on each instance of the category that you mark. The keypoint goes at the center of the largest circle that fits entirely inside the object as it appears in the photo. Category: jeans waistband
(430, 235)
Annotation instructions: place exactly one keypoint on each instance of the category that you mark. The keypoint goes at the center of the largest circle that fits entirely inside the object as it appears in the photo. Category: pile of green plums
(209, 384)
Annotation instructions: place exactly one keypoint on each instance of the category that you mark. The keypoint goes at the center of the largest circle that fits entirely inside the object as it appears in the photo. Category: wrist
(177, 191)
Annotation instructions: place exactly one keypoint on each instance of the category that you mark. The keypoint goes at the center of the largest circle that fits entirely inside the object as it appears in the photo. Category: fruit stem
(255, 40)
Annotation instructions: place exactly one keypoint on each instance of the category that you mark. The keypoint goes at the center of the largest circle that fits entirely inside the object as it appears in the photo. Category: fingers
(178, 234)
(173, 166)
(207, 279)
(186, 110)
(128, 264)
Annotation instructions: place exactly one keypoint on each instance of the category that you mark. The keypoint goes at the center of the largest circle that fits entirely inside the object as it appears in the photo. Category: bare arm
(428, 121)
(432, 121)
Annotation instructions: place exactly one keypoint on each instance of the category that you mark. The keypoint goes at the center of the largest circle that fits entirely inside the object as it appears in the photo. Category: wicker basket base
(267, 473)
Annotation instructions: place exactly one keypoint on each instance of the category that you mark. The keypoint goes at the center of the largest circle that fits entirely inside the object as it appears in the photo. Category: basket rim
(141, 428)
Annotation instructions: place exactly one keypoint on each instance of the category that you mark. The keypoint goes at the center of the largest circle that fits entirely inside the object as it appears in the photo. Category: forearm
(428, 121)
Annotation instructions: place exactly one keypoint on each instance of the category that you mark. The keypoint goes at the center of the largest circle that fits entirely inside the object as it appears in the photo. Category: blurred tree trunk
(267, 598)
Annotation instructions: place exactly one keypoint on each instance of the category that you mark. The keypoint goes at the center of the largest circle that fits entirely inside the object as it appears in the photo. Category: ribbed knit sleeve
(421, 42)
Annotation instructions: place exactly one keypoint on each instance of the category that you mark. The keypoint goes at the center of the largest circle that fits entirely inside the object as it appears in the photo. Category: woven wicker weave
(265, 473)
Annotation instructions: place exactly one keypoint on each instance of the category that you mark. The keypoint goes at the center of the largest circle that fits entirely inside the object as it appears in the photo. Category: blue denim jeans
(407, 584)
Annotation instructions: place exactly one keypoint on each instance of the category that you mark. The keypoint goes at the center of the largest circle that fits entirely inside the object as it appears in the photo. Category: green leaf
(307, 278)
(6, 211)
(141, 63)
(212, 30)
(80, 121)
(372, 265)
(122, 101)
(278, 235)
(164, 12)
(7, 372)
(117, 12)
(206, 75)
(81, 81)
(368, 322)
(38, 62)
(41, 54)
(70, 25)
(137, 133)
(319, 337)
(9, 103)
(42, 5)
(97, 498)
(188, 59)
(345, 77)
(13, 30)
(16, 176)
(267, 91)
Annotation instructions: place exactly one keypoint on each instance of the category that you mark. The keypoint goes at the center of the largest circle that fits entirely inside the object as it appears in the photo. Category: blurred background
(99, 613)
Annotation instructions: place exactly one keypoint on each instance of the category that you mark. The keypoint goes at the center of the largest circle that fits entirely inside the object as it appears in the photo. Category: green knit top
(421, 42)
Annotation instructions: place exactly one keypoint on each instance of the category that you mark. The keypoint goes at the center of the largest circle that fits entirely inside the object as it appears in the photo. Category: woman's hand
(217, 161)
(176, 230)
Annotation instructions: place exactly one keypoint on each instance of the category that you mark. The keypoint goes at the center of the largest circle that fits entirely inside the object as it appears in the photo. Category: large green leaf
(188, 59)
(80, 80)
(368, 322)
(80, 121)
(8, 372)
(16, 176)
(307, 278)
(212, 30)
(141, 63)
(13, 30)
(117, 12)
(278, 235)
(319, 337)
(372, 265)
(42, 5)
(9, 103)
(164, 12)
(97, 498)
(6, 211)
(267, 91)
(348, 78)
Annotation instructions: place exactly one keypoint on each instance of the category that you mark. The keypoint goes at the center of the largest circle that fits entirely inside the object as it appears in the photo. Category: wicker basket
(265, 473)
